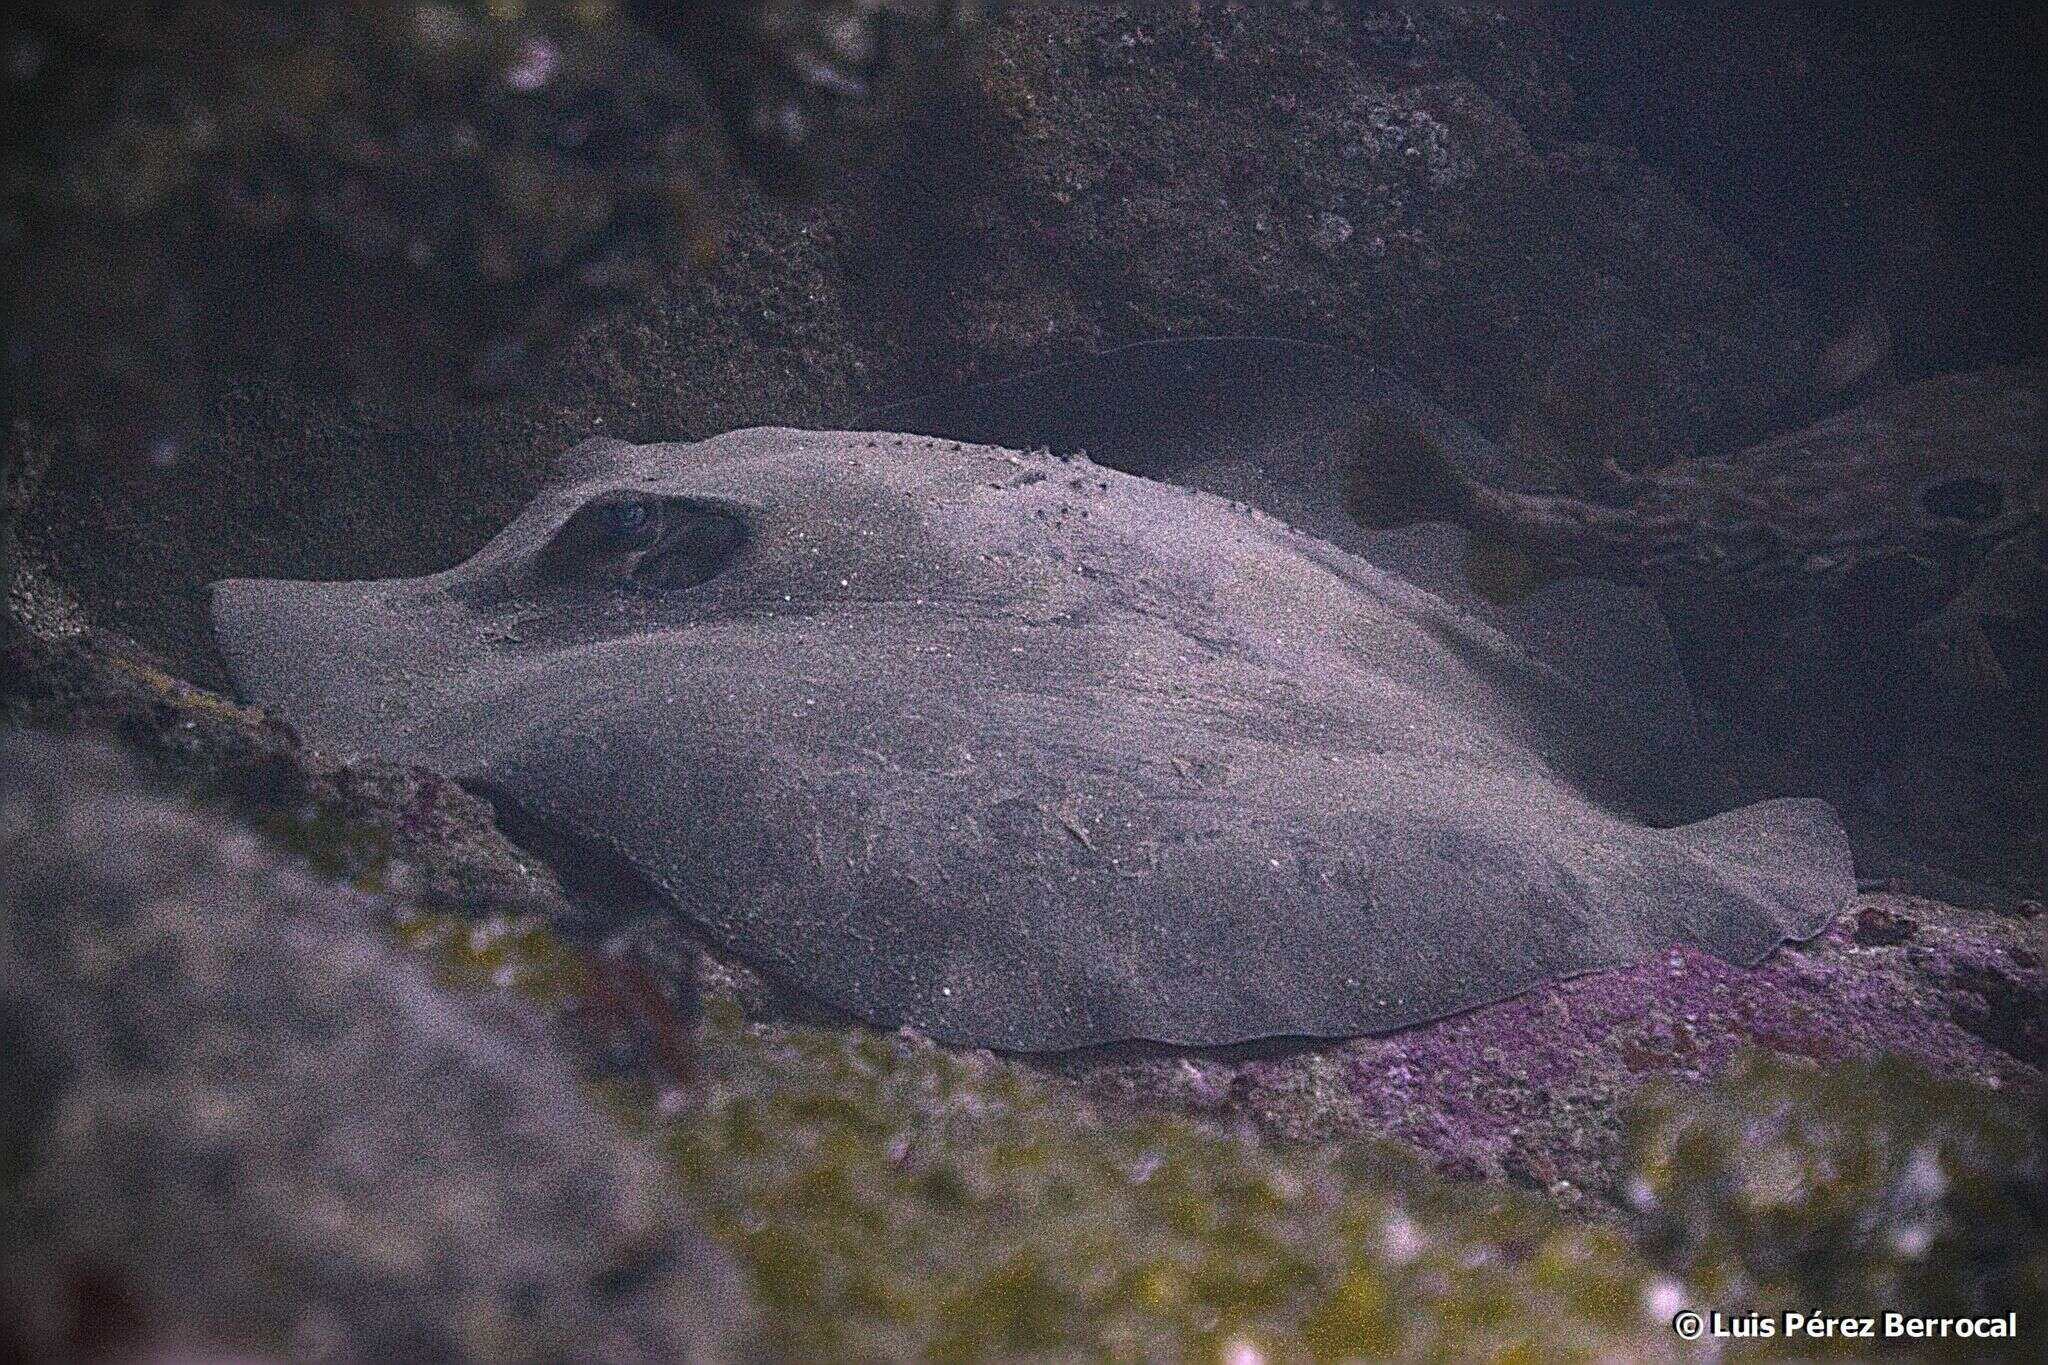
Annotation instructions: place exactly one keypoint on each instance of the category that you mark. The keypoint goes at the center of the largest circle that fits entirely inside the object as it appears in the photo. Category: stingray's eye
(625, 521)
(1966, 499)
(644, 541)
(600, 542)
(697, 543)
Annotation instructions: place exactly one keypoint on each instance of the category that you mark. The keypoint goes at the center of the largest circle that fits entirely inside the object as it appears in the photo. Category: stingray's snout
(278, 636)
(243, 612)
(224, 595)
(334, 658)
(234, 606)
(227, 603)
(282, 610)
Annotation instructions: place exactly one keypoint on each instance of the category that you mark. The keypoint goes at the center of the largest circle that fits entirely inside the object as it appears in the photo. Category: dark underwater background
(324, 1058)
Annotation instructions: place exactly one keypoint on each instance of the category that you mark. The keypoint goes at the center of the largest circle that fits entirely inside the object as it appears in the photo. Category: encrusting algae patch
(894, 1199)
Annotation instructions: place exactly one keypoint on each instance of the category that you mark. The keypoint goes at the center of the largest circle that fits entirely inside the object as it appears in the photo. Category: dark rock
(1881, 154)
(247, 1121)
(1108, 175)
(1876, 928)
(2005, 1004)
(804, 83)
(388, 195)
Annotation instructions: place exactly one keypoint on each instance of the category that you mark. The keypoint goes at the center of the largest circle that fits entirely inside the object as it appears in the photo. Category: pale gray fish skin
(1033, 754)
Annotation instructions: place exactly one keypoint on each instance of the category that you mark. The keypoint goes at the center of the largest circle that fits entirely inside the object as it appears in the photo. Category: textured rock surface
(238, 1117)
(1882, 153)
(1113, 173)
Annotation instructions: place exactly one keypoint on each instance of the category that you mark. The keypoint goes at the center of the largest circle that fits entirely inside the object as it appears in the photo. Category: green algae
(332, 844)
(893, 1199)
(514, 953)
(1851, 1188)
(896, 1200)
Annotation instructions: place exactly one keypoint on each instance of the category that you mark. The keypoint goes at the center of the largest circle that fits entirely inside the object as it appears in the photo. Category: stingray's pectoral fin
(252, 619)
(323, 653)
(1607, 639)
(1788, 857)
(1613, 642)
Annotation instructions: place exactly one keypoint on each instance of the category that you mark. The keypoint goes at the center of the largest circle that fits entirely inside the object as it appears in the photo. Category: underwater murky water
(1654, 397)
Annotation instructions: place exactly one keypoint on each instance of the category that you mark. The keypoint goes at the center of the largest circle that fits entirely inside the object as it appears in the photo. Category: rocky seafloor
(221, 1142)
(326, 1067)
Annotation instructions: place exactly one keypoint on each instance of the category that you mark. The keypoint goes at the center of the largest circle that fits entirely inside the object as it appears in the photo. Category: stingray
(1030, 753)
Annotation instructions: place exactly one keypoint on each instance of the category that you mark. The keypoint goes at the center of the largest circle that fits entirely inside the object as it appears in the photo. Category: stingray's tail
(1405, 468)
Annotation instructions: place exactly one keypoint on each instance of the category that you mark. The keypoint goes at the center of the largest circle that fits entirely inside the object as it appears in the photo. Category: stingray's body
(1033, 754)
